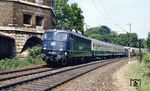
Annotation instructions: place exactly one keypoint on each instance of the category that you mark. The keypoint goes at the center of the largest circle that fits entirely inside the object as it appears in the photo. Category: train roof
(99, 42)
(134, 48)
(105, 43)
(68, 31)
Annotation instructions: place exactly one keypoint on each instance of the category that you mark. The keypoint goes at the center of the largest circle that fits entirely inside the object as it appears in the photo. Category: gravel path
(122, 82)
(102, 79)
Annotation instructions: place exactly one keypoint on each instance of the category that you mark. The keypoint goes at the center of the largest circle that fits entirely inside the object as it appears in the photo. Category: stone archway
(31, 42)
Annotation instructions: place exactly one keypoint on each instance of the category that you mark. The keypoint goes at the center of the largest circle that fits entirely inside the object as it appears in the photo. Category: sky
(117, 15)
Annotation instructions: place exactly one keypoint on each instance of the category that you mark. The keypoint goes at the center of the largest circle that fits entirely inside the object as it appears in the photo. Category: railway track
(22, 69)
(49, 79)
(12, 74)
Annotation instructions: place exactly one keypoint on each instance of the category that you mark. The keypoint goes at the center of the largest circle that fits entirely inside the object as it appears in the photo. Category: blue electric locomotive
(62, 46)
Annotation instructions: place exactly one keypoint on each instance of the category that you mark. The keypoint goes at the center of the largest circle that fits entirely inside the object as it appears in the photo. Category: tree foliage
(69, 16)
(128, 39)
(101, 33)
(143, 43)
(148, 41)
(104, 33)
(113, 37)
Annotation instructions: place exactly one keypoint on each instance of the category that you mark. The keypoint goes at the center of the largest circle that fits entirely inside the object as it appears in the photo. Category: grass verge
(32, 59)
(139, 71)
(8, 64)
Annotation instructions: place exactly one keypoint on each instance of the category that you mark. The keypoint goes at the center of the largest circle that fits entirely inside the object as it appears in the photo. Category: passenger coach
(106, 50)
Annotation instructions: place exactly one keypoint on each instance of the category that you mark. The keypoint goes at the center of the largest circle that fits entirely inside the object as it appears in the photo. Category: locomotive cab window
(60, 36)
(49, 35)
(57, 36)
(70, 37)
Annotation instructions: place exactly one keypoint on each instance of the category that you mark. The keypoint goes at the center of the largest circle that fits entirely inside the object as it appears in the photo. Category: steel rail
(26, 74)
(54, 73)
(19, 70)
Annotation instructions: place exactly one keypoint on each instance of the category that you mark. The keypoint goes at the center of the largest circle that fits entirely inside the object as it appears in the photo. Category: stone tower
(35, 15)
(22, 24)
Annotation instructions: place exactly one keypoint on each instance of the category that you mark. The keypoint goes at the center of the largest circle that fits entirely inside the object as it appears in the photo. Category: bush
(33, 59)
(7, 64)
(138, 56)
(147, 59)
(34, 56)
(35, 51)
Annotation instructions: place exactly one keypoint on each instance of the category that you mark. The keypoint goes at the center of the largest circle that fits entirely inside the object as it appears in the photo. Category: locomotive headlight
(44, 48)
(53, 43)
(65, 53)
(61, 49)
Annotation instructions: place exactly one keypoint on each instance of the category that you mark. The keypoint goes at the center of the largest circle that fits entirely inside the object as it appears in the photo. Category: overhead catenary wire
(104, 13)
(101, 12)
(121, 28)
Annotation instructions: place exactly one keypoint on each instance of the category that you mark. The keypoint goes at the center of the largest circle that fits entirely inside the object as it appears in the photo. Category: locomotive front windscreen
(57, 36)
(49, 36)
(60, 36)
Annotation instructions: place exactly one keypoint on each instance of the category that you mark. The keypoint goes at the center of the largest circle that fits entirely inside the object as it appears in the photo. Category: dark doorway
(7, 47)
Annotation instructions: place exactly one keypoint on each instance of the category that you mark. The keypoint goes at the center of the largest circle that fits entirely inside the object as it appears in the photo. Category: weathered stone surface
(15, 11)
(12, 20)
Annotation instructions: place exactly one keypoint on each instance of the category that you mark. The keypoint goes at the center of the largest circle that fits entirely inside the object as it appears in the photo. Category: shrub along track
(50, 79)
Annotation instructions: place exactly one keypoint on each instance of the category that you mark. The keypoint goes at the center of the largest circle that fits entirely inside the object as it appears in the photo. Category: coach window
(27, 19)
(94, 47)
(99, 47)
(39, 20)
(111, 48)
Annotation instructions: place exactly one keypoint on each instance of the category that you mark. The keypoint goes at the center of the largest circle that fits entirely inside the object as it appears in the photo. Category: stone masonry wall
(21, 38)
(21, 9)
(6, 13)
(11, 14)
(11, 19)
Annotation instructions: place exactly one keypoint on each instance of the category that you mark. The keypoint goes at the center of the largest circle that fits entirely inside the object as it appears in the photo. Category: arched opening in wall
(31, 42)
(7, 47)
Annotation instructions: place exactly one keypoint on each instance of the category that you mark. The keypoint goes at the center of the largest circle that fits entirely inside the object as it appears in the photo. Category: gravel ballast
(102, 79)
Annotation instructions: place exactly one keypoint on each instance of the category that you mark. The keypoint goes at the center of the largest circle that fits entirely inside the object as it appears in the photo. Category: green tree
(148, 41)
(76, 17)
(113, 37)
(69, 16)
(134, 40)
(62, 13)
(99, 33)
(123, 39)
(143, 43)
(128, 39)
(104, 33)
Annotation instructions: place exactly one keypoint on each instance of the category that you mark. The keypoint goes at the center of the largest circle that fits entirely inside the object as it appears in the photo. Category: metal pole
(140, 52)
(86, 27)
(129, 42)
